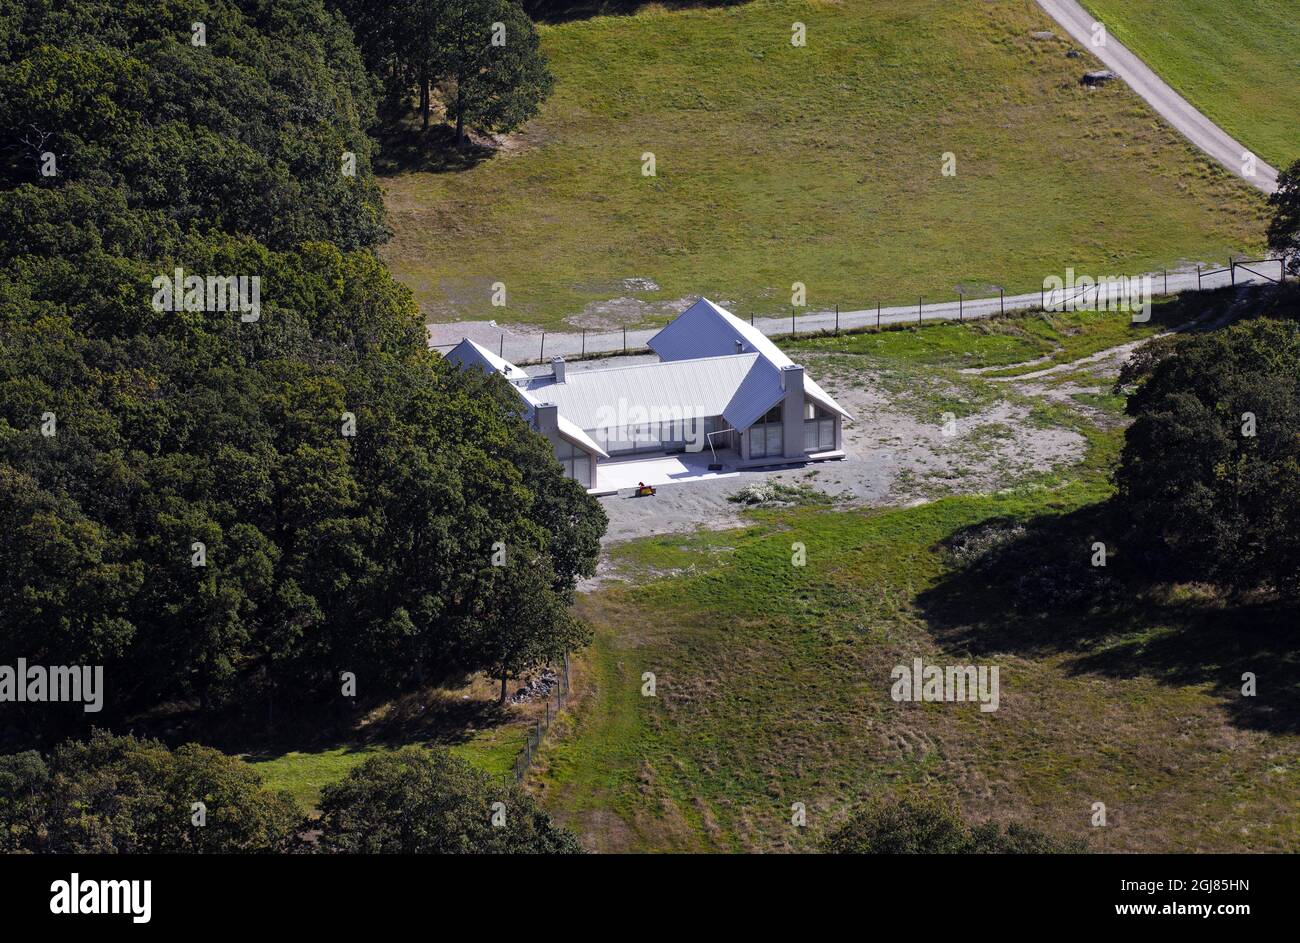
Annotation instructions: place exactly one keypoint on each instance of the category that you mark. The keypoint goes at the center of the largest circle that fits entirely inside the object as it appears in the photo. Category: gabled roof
(661, 392)
(567, 429)
(707, 330)
(469, 354)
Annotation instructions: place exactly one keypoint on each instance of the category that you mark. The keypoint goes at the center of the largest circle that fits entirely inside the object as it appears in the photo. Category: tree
(426, 801)
(201, 524)
(524, 623)
(1210, 471)
(123, 795)
(483, 58)
(913, 824)
(493, 64)
(1284, 228)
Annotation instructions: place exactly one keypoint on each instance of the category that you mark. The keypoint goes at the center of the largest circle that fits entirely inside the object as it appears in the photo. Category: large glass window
(575, 462)
(818, 428)
(765, 435)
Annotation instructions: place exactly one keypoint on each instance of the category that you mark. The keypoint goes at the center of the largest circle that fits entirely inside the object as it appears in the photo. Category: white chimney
(557, 365)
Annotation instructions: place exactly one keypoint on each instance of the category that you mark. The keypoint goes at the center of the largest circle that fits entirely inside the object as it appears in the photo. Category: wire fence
(532, 349)
(555, 702)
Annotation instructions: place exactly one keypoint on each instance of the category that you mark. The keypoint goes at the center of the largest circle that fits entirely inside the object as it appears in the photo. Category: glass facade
(667, 436)
(765, 435)
(818, 428)
(576, 462)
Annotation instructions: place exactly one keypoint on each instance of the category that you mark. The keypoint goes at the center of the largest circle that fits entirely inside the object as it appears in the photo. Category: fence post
(837, 318)
(792, 330)
(918, 309)
(877, 315)
(501, 351)
(1166, 271)
(961, 307)
(1002, 301)
(1232, 267)
(584, 343)
(1198, 278)
(624, 340)
(541, 356)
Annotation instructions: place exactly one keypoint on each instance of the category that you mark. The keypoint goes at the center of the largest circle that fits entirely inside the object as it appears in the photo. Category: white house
(720, 387)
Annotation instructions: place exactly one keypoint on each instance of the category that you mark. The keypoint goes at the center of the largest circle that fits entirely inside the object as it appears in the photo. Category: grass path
(820, 165)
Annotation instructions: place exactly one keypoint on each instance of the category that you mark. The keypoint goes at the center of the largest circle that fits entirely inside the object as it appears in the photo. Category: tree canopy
(422, 801)
(480, 58)
(122, 795)
(1284, 227)
(227, 510)
(1210, 471)
(911, 824)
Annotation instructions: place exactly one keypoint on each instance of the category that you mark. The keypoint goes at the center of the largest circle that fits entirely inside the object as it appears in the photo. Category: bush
(1210, 471)
(913, 824)
(422, 801)
(120, 794)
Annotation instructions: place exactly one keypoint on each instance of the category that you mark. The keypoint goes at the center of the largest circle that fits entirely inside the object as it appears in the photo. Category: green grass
(1238, 61)
(819, 165)
(1010, 341)
(772, 680)
(303, 773)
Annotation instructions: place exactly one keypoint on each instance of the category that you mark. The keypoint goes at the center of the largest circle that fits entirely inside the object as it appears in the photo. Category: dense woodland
(346, 486)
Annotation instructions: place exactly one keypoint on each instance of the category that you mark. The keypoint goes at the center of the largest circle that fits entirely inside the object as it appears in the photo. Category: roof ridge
(656, 363)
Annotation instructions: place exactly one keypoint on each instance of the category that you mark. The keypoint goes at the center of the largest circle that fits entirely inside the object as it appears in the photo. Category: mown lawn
(1016, 342)
(820, 165)
(1236, 60)
(773, 680)
(305, 773)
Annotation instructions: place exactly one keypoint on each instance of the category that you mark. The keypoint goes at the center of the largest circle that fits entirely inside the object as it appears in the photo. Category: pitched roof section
(469, 354)
(707, 330)
(682, 389)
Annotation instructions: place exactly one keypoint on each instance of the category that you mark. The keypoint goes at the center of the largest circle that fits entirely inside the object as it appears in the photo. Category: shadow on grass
(564, 11)
(1030, 588)
(405, 146)
(445, 722)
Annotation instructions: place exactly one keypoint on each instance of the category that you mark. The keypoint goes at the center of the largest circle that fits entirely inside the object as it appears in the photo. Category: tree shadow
(1030, 588)
(564, 11)
(404, 146)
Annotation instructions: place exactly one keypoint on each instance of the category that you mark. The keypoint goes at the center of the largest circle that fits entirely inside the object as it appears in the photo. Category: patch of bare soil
(625, 311)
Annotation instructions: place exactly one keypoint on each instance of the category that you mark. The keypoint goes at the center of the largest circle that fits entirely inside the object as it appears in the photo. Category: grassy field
(821, 164)
(773, 680)
(304, 773)
(1017, 343)
(463, 718)
(1238, 61)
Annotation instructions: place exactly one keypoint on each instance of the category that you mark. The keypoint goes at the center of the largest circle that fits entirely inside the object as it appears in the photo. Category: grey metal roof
(707, 330)
(469, 354)
(598, 399)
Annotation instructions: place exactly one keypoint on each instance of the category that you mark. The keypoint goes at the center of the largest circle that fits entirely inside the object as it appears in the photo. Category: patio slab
(656, 470)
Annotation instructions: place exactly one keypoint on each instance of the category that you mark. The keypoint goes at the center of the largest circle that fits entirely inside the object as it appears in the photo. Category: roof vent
(740, 346)
(557, 365)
